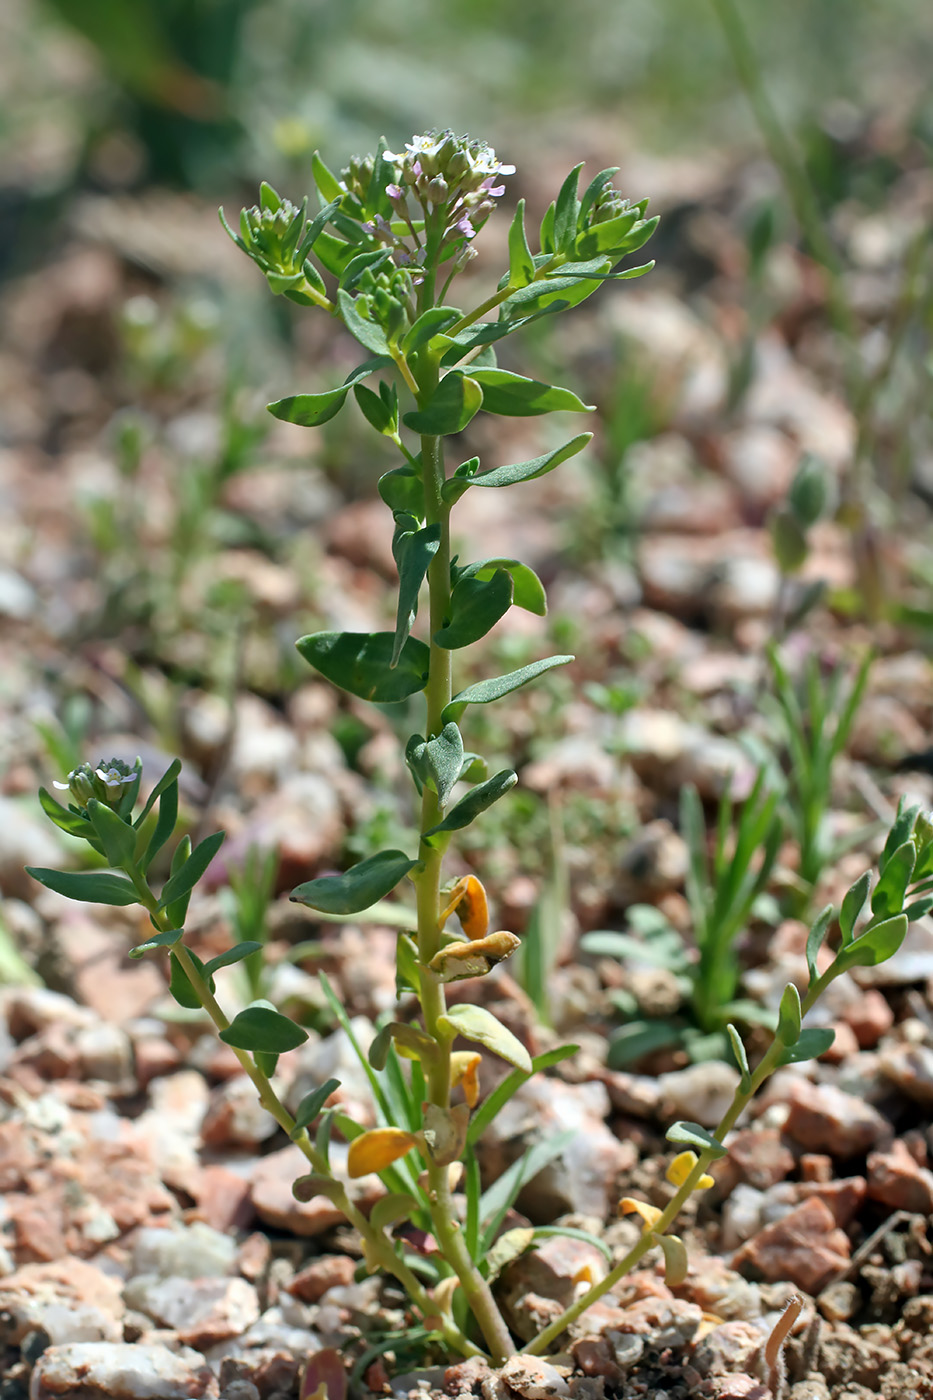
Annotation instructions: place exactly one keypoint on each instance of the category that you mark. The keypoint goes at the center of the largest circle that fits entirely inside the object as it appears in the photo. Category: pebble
(581, 1179)
(203, 1311)
(534, 1378)
(822, 1118)
(910, 1067)
(316, 1278)
(898, 1181)
(119, 1371)
(700, 1093)
(235, 1118)
(805, 1247)
(183, 1251)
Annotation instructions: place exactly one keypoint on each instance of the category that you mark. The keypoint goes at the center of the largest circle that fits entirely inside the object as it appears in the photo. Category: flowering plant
(381, 254)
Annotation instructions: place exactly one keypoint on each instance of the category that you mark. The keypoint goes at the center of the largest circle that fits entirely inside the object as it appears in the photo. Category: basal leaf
(360, 662)
(359, 887)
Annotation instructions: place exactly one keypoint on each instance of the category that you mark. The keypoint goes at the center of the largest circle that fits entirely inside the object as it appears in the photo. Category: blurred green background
(202, 93)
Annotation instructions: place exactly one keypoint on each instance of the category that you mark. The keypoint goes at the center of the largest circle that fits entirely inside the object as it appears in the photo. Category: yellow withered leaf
(681, 1167)
(464, 1069)
(379, 1148)
(649, 1214)
(676, 1264)
(468, 900)
(457, 961)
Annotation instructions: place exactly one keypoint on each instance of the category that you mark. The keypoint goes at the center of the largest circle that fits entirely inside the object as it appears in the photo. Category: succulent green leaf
(810, 1045)
(455, 401)
(676, 1262)
(546, 234)
(359, 887)
(413, 549)
(311, 1105)
(180, 985)
(609, 237)
(566, 212)
(476, 801)
(328, 185)
(595, 188)
(788, 1029)
(169, 777)
(158, 940)
(116, 837)
(429, 324)
(484, 692)
(89, 886)
(165, 824)
(236, 954)
(262, 1028)
(390, 1209)
(512, 395)
(403, 489)
(366, 332)
(852, 905)
(481, 1026)
(437, 762)
(874, 946)
(521, 263)
(888, 896)
(380, 410)
(697, 1137)
(515, 471)
(184, 880)
(809, 491)
(72, 822)
(740, 1057)
(311, 410)
(918, 907)
(360, 662)
(476, 605)
(818, 933)
(527, 589)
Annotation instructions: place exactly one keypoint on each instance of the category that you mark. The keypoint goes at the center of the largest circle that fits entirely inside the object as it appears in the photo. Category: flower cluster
(273, 235)
(106, 783)
(455, 181)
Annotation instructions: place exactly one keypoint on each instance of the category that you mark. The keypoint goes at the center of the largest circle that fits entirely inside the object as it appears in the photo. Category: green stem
(438, 692)
(766, 1067)
(379, 1243)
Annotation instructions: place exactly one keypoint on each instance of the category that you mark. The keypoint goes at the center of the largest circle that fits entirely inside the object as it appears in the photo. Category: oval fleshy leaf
(788, 1028)
(360, 662)
(477, 1024)
(311, 410)
(390, 1209)
(810, 1045)
(456, 400)
(183, 881)
(263, 1028)
(233, 955)
(476, 605)
(437, 762)
(358, 888)
(818, 933)
(158, 940)
(512, 395)
(697, 1137)
(872, 947)
(377, 1149)
(312, 1104)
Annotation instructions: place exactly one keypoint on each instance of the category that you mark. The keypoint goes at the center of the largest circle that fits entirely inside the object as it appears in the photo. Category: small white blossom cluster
(442, 172)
